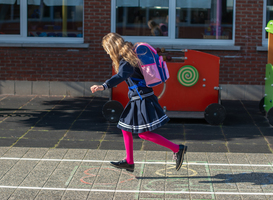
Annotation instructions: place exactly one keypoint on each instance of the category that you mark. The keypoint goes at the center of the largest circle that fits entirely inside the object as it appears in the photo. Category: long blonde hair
(117, 48)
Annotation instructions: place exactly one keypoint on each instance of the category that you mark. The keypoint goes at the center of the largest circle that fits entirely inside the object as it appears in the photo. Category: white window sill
(262, 48)
(45, 45)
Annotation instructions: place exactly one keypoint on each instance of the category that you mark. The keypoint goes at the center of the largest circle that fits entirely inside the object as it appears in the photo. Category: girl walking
(140, 116)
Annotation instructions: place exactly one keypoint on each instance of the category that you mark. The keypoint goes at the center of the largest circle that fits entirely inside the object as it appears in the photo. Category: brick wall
(246, 66)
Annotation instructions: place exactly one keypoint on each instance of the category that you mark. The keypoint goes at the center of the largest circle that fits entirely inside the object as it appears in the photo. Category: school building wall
(70, 69)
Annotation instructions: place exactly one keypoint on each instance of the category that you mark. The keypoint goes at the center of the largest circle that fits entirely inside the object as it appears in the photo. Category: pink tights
(153, 137)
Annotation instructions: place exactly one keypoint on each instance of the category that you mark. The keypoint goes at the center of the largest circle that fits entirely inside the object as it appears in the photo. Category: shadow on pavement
(80, 118)
(253, 178)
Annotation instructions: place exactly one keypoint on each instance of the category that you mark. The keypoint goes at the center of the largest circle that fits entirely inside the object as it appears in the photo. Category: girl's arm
(125, 71)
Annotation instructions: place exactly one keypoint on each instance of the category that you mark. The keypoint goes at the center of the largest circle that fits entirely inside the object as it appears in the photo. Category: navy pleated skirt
(142, 115)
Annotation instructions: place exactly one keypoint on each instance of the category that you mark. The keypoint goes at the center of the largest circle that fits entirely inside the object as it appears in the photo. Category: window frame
(264, 39)
(170, 40)
(23, 38)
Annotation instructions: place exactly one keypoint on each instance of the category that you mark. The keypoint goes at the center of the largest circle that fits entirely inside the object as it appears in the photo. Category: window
(269, 14)
(199, 19)
(9, 18)
(142, 17)
(41, 20)
(175, 21)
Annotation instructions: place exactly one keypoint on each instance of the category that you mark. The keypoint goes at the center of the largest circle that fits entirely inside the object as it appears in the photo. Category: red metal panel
(181, 98)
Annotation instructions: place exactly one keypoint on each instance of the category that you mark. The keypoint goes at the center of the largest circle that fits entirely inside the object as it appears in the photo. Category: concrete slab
(7, 87)
(7, 142)
(48, 143)
(23, 88)
(249, 148)
(40, 87)
(75, 89)
(84, 135)
(78, 144)
(57, 88)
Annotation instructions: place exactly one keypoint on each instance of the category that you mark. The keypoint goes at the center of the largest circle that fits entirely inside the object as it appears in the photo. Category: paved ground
(60, 148)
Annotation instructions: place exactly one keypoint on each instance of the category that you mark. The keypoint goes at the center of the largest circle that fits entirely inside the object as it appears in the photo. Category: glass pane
(9, 17)
(55, 18)
(142, 17)
(269, 13)
(204, 19)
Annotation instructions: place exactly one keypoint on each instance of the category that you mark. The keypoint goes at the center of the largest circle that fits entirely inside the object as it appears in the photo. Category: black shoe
(179, 156)
(123, 165)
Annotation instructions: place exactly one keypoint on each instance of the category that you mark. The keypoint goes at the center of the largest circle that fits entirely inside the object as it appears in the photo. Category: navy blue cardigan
(125, 72)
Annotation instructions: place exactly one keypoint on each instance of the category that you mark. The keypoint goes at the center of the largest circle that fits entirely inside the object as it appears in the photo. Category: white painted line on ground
(155, 163)
(132, 191)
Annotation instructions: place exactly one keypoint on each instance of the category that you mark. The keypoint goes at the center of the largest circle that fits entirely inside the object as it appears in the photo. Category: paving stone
(75, 154)
(40, 174)
(11, 134)
(6, 165)
(131, 196)
(217, 157)
(93, 154)
(227, 197)
(248, 148)
(256, 140)
(3, 150)
(55, 153)
(101, 195)
(22, 194)
(84, 135)
(216, 138)
(5, 193)
(48, 143)
(61, 174)
(15, 101)
(108, 177)
(115, 155)
(75, 195)
(257, 159)
(17, 173)
(116, 145)
(210, 147)
(44, 135)
(36, 153)
(16, 125)
(49, 194)
(78, 144)
(7, 142)
(250, 197)
(202, 196)
(16, 152)
(197, 157)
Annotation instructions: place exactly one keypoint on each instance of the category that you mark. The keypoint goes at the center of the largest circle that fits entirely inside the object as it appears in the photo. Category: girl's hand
(96, 88)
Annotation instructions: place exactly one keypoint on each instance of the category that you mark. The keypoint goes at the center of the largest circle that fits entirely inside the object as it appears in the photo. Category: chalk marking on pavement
(154, 163)
(71, 175)
(133, 191)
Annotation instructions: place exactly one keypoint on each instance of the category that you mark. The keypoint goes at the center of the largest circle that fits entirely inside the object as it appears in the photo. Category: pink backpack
(152, 66)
